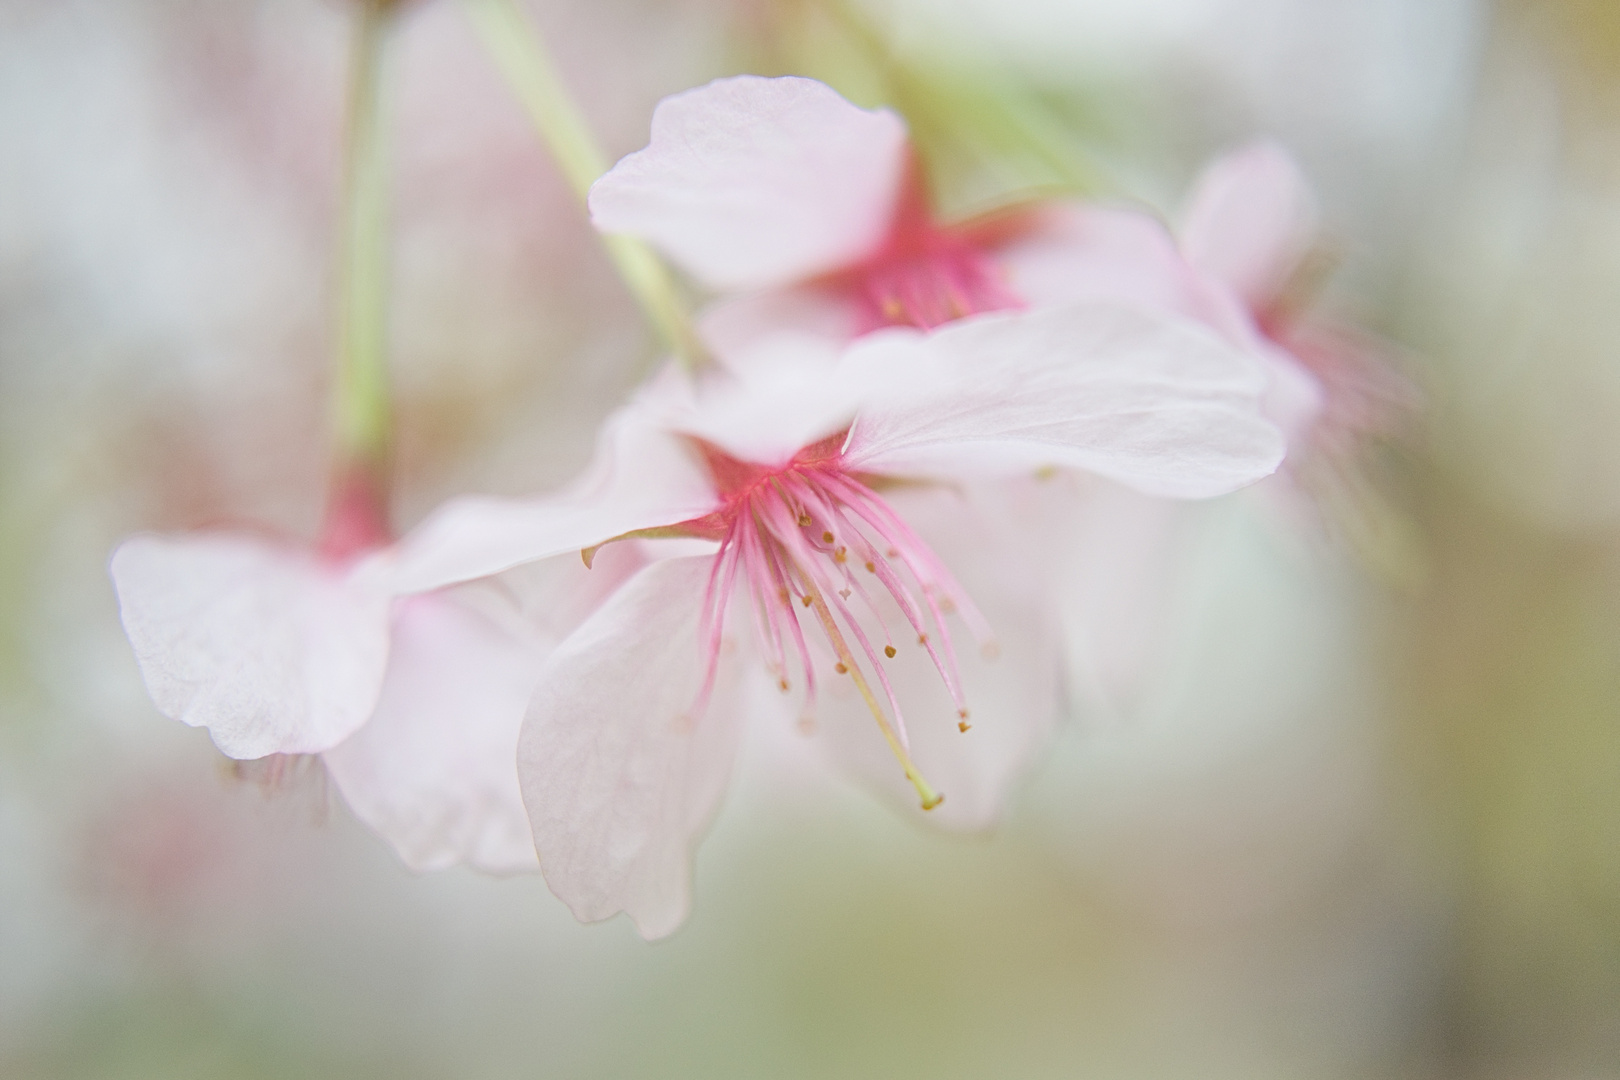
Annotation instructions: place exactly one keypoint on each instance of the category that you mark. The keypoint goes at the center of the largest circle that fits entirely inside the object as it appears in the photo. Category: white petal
(1002, 542)
(1084, 252)
(751, 182)
(736, 328)
(434, 771)
(642, 478)
(1295, 396)
(773, 399)
(272, 650)
(1249, 221)
(1159, 404)
(620, 778)
(1125, 554)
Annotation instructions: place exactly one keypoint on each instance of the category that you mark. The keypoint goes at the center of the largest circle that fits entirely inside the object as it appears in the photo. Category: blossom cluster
(852, 513)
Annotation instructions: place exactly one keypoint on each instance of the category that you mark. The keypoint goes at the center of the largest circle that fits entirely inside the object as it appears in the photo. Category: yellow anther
(841, 554)
(841, 668)
(888, 650)
(826, 537)
(963, 726)
(871, 568)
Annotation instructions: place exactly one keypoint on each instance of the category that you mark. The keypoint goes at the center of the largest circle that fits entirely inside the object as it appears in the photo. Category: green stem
(362, 414)
(980, 108)
(520, 53)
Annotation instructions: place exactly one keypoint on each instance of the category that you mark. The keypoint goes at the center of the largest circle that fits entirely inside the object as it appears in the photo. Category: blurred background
(1364, 823)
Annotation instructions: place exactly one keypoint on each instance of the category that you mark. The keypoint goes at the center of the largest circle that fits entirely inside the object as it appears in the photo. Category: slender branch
(362, 413)
(520, 53)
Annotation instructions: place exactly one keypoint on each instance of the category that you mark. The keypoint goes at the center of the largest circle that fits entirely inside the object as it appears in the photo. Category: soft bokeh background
(1365, 824)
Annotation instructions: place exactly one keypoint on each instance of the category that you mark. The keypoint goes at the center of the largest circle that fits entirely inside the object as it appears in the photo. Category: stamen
(761, 586)
(946, 665)
(808, 495)
(930, 798)
(777, 573)
(711, 620)
(813, 578)
(797, 531)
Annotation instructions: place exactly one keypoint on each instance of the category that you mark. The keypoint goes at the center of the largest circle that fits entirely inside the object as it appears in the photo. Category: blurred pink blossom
(1248, 231)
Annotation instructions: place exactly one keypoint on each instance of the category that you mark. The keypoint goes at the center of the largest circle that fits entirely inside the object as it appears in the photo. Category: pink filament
(810, 529)
(925, 274)
(930, 288)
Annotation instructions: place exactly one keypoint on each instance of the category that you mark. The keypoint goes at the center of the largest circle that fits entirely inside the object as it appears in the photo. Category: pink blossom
(1248, 229)
(768, 184)
(414, 703)
(809, 214)
(1251, 224)
(816, 211)
(783, 467)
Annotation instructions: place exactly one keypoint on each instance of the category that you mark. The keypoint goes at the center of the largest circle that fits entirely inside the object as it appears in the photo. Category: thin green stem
(520, 53)
(362, 413)
(968, 104)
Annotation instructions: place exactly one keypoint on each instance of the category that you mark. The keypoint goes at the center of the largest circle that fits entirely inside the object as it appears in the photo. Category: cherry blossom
(820, 489)
(805, 212)
(1248, 231)
(1251, 224)
(414, 703)
(811, 216)
(759, 185)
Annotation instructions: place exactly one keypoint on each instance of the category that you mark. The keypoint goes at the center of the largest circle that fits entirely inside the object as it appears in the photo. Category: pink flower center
(356, 516)
(811, 537)
(925, 274)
